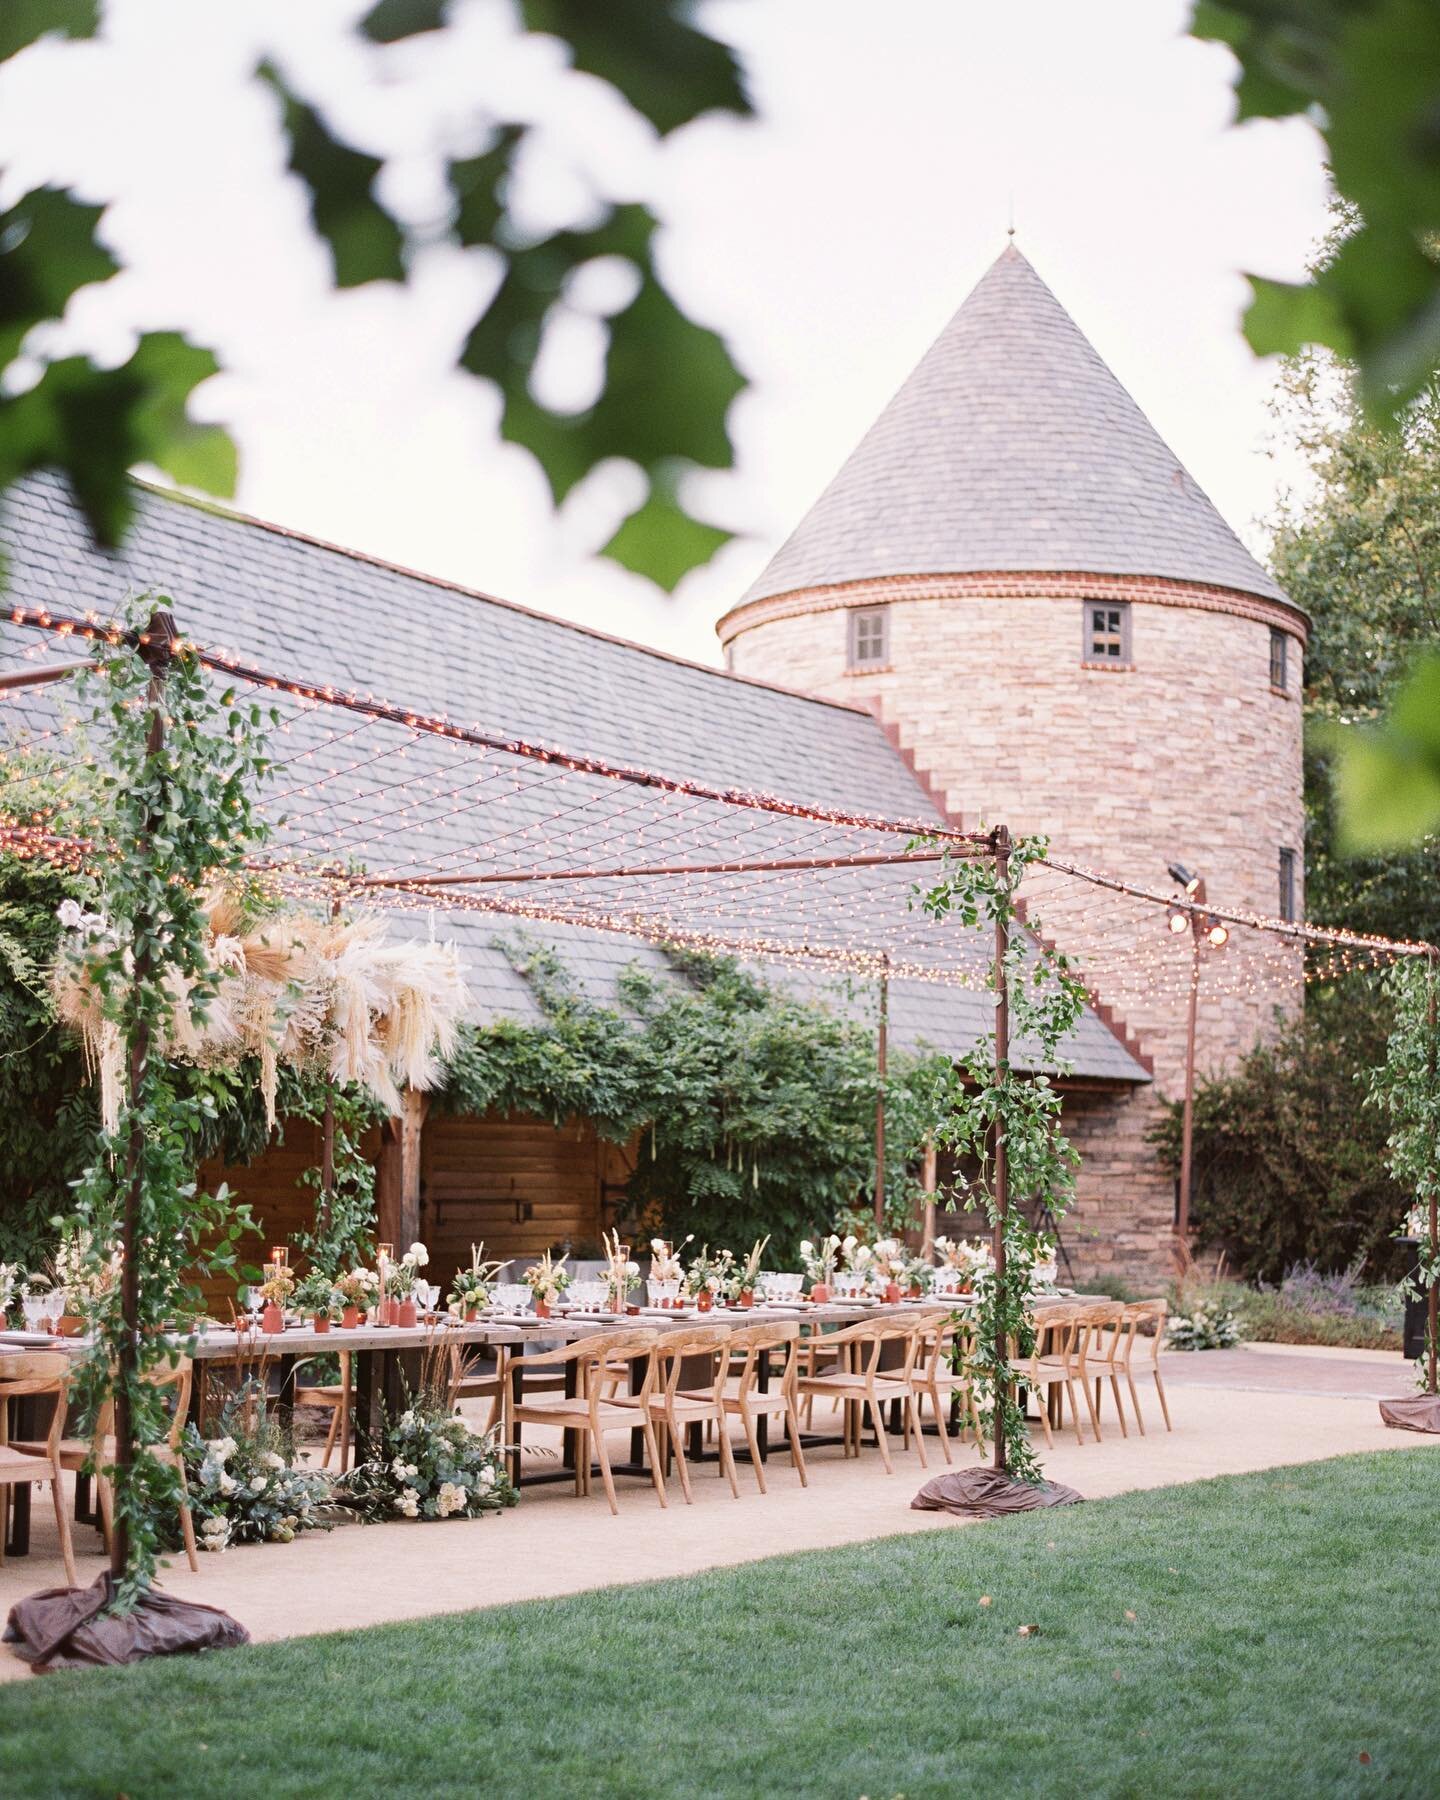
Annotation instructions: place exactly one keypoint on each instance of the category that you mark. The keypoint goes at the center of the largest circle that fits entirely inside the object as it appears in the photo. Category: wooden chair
(601, 1363)
(179, 1375)
(1142, 1313)
(675, 1407)
(1054, 1363)
(859, 1381)
(41, 1372)
(936, 1377)
(336, 1397)
(749, 1347)
(1098, 1351)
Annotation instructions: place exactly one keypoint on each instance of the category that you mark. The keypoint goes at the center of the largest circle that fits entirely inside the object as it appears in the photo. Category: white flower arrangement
(1208, 1325)
(429, 1464)
(818, 1260)
(245, 1488)
(665, 1263)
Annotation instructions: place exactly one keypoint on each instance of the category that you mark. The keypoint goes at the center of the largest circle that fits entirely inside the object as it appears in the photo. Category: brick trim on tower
(1154, 590)
(1106, 1014)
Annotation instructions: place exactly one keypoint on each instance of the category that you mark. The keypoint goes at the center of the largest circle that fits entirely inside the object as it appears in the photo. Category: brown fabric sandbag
(988, 1494)
(66, 1628)
(1422, 1413)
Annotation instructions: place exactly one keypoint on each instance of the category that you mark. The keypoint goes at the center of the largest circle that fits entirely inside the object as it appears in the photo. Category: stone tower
(1052, 619)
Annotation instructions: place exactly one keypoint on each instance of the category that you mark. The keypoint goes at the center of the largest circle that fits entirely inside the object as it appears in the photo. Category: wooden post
(928, 1180)
(397, 1186)
(156, 652)
(1187, 1128)
(327, 1138)
(1002, 1173)
(881, 1048)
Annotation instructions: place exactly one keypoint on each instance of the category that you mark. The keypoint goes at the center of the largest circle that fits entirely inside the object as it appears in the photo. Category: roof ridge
(203, 503)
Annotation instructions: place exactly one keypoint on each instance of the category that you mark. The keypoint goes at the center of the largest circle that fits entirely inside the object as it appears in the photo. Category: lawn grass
(1252, 1635)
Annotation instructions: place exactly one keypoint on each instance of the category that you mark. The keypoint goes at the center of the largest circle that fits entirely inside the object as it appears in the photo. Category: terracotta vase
(820, 1293)
(406, 1316)
(704, 1300)
(321, 1321)
(471, 1314)
(542, 1308)
(892, 1292)
(915, 1292)
(272, 1319)
(745, 1298)
(350, 1317)
(69, 1325)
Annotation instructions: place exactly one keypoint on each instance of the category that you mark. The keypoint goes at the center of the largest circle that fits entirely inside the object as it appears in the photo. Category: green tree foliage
(668, 381)
(755, 1112)
(1289, 1165)
(1367, 76)
(1361, 554)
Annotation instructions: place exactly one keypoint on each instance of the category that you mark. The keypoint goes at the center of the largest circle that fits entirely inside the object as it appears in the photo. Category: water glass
(511, 1296)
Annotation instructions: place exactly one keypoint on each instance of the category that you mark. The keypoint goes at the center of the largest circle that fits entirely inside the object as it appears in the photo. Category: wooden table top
(220, 1342)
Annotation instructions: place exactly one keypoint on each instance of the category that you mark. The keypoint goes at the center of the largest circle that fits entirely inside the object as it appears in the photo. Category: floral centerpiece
(9, 1283)
(547, 1280)
(960, 1264)
(742, 1288)
(919, 1277)
(709, 1275)
(315, 1297)
(356, 1290)
(622, 1273)
(275, 1291)
(243, 1485)
(855, 1263)
(81, 1276)
(890, 1268)
(667, 1273)
(429, 1464)
(472, 1287)
(818, 1262)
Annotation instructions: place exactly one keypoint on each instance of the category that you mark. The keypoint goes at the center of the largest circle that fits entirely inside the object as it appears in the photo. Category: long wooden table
(387, 1359)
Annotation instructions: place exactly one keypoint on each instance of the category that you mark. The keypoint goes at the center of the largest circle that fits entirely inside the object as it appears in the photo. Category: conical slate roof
(1012, 447)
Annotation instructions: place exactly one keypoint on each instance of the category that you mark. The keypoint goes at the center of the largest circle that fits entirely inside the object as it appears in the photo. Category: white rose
(486, 1478)
(273, 1460)
(227, 1483)
(257, 1484)
(70, 914)
(419, 1255)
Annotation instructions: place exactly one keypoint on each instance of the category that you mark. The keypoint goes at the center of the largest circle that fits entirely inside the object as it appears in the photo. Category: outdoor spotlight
(1218, 934)
(1179, 922)
(1179, 873)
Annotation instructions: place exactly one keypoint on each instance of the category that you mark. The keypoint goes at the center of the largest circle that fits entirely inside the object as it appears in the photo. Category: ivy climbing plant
(1005, 1123)
(1406, 1087)
(176, 765)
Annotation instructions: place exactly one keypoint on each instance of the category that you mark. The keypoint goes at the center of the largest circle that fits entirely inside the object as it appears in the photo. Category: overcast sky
(829, 240)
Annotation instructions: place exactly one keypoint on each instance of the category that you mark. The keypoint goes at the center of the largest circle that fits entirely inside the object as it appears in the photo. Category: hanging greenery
(1406, 1088)
(754, 1111)
(988, 1102)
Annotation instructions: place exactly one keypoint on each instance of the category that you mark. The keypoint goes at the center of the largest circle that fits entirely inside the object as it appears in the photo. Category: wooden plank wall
(516, 1183)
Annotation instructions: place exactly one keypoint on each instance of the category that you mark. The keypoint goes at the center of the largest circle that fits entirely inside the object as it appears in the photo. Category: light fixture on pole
(1206, 931)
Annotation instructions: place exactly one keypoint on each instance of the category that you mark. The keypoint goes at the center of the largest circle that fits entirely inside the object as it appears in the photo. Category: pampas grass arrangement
(330, 997)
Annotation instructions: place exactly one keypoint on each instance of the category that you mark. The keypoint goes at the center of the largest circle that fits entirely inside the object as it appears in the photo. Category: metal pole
(155, 649)
(881, 1046)
(1432, 1385)
(1182, 1219)
(327, 1137)
(1002, 1174)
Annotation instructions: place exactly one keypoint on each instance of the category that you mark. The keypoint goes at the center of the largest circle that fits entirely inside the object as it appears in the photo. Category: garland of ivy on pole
(1006, 1122)
(1406, 1087)
(176, 771)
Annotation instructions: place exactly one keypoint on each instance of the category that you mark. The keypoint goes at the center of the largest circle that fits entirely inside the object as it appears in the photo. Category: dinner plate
(29, 1337)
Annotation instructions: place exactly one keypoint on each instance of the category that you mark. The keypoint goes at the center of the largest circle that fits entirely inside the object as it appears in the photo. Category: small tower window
(870, 638)
(1279, 660)
(1107, 633)
(1287, 884)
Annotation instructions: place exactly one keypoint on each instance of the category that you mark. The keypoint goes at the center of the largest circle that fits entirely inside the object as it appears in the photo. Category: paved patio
(1260, 1407)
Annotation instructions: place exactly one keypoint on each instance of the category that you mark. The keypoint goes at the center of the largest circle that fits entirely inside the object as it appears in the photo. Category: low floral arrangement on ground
(244, 1486)
(1206, 1324)
(428, 1464)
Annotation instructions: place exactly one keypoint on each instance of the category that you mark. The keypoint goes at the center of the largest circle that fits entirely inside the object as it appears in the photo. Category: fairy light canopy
(377, 803)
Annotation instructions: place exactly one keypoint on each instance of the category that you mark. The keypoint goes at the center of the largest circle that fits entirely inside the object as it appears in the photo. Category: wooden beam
(928, 1181)
(397, 1178)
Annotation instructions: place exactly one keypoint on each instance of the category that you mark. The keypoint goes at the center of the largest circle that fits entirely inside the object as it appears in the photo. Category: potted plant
(709, 1275)
(818, 1262)
(472, 1287)
(918, 1277)
(407, 1273)
(355, 1289)
(891, 1269)
(315, 1295)
(743, 1289)
(275, 1291)
(621, 1274)
(547, 1280)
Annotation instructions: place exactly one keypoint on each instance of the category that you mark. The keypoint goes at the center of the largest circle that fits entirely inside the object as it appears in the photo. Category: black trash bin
(1416, 1309)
